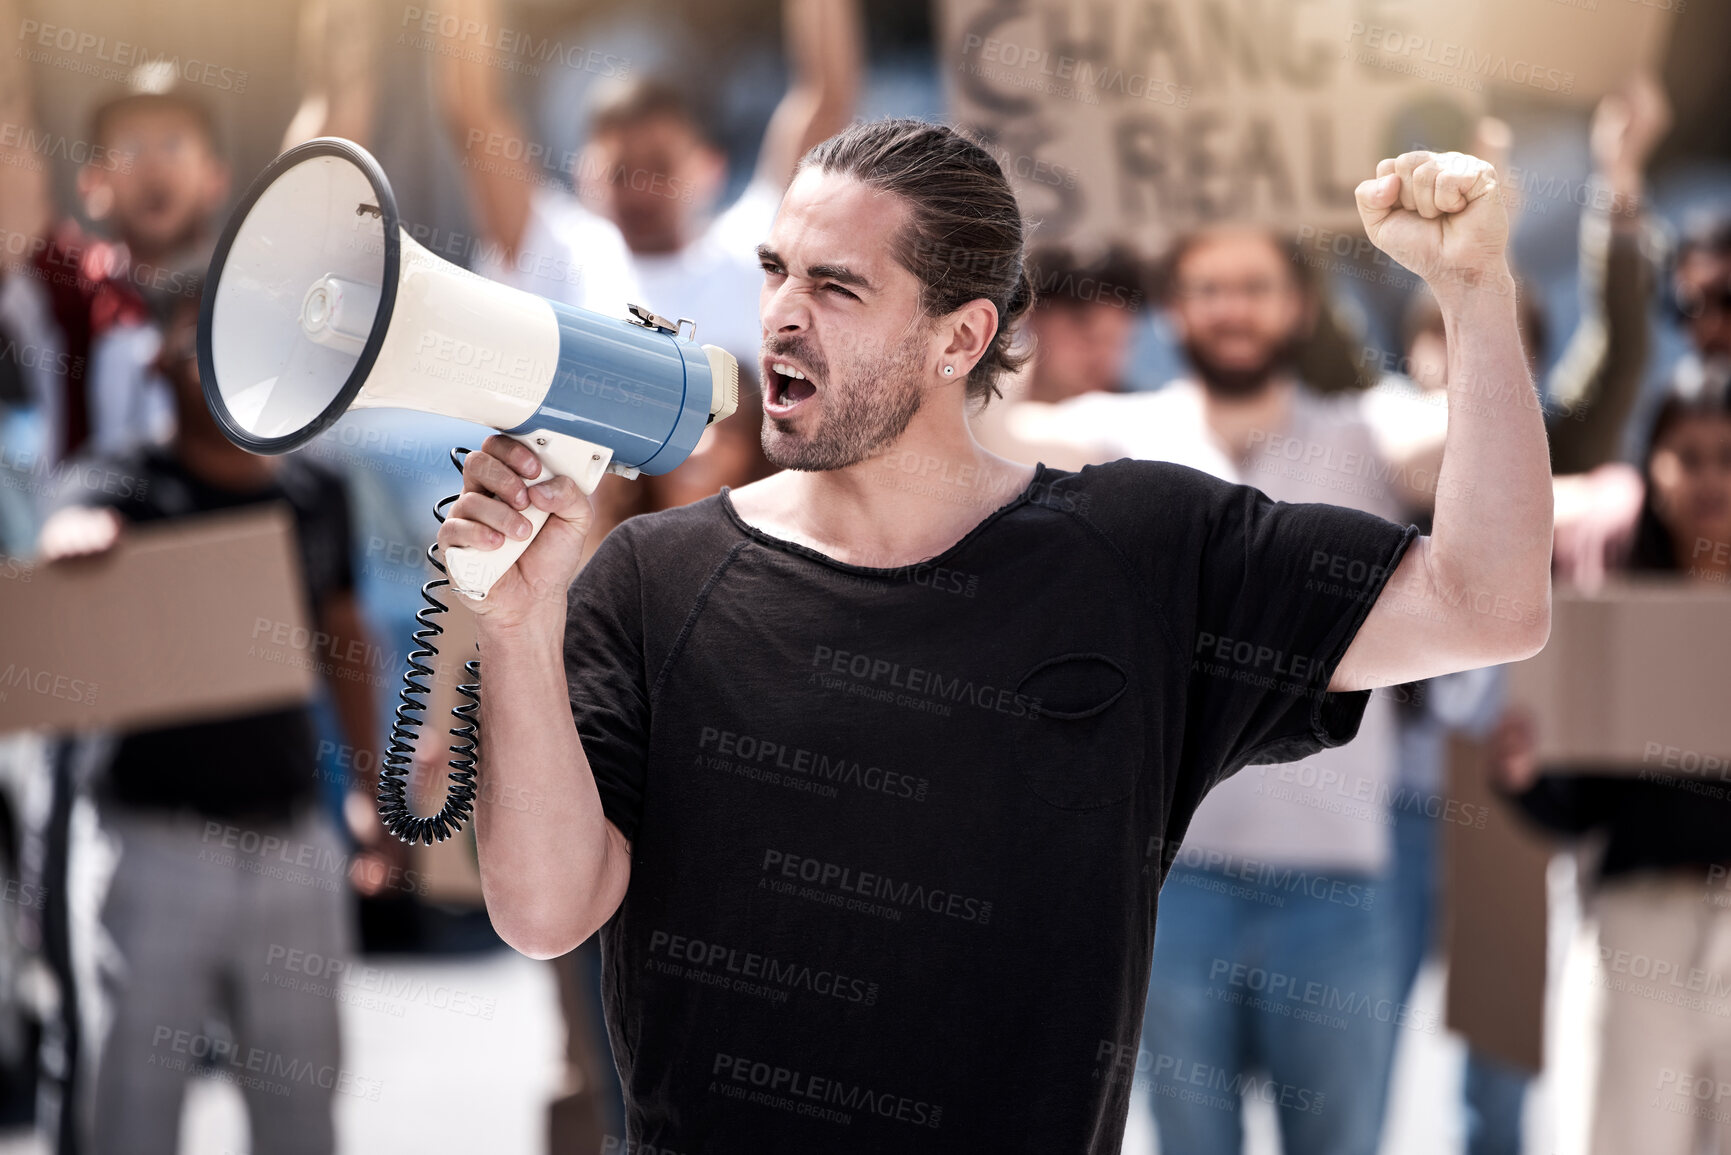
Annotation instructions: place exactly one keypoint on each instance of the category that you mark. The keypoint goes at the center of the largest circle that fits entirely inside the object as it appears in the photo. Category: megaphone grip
(473, 572)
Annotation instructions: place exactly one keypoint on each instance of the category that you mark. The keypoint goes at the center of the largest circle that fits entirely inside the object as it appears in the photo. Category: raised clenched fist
(1436, 213)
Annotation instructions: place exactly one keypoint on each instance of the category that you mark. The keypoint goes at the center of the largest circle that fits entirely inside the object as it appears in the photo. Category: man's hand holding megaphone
(488, 513)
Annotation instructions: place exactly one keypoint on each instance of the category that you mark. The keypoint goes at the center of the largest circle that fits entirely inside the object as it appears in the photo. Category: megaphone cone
(318, 301)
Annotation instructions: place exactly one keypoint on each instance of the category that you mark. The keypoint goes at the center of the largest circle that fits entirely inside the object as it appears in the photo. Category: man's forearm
(552, 868)
(1491, 533)
(482, 127)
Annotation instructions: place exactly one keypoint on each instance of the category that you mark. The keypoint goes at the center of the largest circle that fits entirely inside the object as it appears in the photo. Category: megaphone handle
(473, 572)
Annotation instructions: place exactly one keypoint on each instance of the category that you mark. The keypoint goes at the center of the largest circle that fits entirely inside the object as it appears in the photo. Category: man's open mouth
(788, 386)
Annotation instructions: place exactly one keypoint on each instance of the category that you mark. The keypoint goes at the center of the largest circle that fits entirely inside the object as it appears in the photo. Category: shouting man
(869, 772)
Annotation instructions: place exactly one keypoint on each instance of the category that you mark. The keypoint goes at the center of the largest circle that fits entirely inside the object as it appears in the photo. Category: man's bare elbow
(1538, 629)
(540, 948)
(546, 941)
(1521, 638)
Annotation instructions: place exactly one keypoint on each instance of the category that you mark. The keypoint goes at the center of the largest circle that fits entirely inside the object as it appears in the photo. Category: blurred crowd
(144, 851)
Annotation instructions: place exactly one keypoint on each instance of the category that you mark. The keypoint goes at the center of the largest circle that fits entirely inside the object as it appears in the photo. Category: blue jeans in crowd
(1281, 985)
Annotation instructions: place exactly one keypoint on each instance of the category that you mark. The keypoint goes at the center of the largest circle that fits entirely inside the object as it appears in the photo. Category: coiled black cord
(400, 757)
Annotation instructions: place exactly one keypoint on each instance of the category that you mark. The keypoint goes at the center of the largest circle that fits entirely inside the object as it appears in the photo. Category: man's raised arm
(1477, 591)
(825, 53)
(492, 148)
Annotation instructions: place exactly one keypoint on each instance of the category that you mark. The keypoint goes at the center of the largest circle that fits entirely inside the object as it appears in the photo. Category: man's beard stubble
(861, 414)
(1235, 383)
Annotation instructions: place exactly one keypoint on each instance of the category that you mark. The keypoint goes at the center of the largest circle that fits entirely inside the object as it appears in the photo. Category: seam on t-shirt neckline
(1041, 471)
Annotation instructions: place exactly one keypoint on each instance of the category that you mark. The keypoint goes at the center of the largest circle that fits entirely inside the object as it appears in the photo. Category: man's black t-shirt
(258, 766)
(897, 834)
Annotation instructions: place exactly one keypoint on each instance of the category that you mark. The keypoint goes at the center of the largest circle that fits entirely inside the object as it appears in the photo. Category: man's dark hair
(623, 105)
(964, 237)
(1653, 548)
(1706, 231)
(1062, 278)
(174, 101)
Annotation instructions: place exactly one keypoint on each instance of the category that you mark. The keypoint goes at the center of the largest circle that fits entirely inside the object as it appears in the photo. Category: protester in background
(1590, 394)
(1635, 1052)
(192, 915)
(1242, 302)
(155, 178)
(1701, 287)
(651, 167)
(1079, 333)
(1084, 316)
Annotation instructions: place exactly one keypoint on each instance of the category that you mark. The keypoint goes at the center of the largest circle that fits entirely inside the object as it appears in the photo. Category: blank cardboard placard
(1632, 680)
(194, 618)
(1494, 916)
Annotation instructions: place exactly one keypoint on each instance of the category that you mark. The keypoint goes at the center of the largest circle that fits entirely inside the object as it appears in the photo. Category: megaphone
(318, 301)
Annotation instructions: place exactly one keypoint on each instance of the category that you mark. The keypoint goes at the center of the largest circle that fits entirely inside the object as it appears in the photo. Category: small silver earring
(948, 370)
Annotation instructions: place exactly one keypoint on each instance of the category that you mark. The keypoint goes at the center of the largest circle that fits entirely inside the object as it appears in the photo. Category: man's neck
(911, 502)
(1239, 422)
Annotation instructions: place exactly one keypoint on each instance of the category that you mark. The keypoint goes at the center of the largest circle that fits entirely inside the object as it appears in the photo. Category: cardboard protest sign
(1632, 682)
(1130, 120)
(196, 618)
